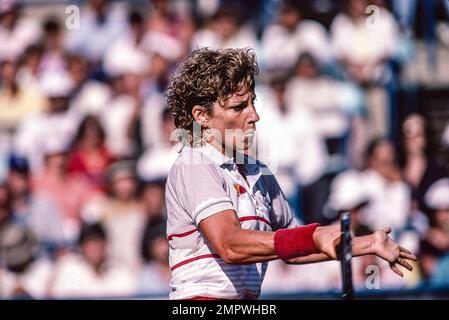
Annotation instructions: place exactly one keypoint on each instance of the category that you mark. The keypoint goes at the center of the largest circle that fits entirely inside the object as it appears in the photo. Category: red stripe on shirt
(180, 235)
(204, 256)
(255, 218)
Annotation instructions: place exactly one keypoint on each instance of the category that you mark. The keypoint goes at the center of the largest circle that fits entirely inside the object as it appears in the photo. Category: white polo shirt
(201, 183)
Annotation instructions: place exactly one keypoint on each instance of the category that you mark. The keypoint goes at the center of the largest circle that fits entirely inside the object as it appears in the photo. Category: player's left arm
(378, 243)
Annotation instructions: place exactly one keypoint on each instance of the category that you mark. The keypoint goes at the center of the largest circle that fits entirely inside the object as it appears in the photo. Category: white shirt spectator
(281, 48)
(364, 44)
(36, 130)
(124, 224)
(92, 98)
(151, 120)
(163, 44)
(75, 278)
(330, 102)
(389, 202)
(115, 120)
(35, 280)
(14, 42)
(93, 39)
(156, 164)
(136, 61)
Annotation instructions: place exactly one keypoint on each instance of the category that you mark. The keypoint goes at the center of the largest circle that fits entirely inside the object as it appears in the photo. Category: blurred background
(354, 103)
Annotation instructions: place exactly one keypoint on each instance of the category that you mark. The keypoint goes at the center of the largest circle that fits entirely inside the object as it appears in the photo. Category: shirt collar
(251, 165)
(216, 156)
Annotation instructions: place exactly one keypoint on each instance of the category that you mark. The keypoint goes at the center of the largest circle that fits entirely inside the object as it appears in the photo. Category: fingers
(404, 250)
(405, 264)
(396, 270)
(408, 255)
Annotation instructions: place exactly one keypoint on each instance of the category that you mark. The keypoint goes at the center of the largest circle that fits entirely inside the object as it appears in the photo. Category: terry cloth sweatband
(296, 242)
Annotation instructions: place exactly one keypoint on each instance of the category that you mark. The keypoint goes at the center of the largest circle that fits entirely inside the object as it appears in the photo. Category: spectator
(155, 275)
(90, 96)
(334, 105)
(435, 245)
(19, 185)
(349, 194)
(16, 102)
(289, 36)
(389, 195)
(152, 198)
(100, 24)
(167, 32)
(17, 32)
(151, 117)
(156, 162)
(119, 119)
(90, 157)
(22, 273)
(32, 210)
(56, 122)
(129, 44)
(365, 51)
(53, 58)
(30, 67)
(420, 169)
(78, 70)
(67, 192)
(121, 214)
(90, 272)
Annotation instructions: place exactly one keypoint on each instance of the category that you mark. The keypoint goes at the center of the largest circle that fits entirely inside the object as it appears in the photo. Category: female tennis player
(227, 216)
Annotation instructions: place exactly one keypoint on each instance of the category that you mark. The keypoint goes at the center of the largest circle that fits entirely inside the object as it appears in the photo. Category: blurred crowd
(85, 136)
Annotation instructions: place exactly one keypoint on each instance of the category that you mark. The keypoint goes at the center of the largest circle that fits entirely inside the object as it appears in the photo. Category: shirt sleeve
(201, 189)
(282, 216)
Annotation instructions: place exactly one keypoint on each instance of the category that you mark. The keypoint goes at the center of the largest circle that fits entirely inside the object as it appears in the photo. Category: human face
(414, 134)
(383, 156)
(159, 249)
(124, 188)
(94, 251)
(233, 123)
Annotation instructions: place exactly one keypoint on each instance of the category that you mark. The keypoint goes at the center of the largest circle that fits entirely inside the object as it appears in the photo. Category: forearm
(249, 246)
(360, 246)
(243, 246)
(311, 258)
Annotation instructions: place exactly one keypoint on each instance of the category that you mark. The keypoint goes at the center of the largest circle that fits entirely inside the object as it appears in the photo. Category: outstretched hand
(328, 238)
(394, 254)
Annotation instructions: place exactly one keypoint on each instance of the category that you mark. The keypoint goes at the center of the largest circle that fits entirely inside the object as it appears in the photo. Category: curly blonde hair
(206, 77)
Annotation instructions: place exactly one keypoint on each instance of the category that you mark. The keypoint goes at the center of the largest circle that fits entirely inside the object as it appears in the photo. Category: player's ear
(200, 114)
